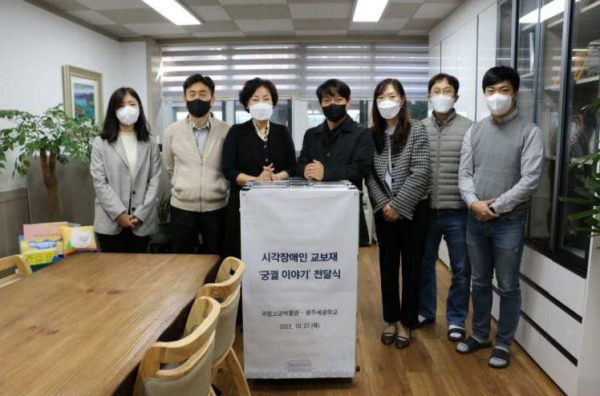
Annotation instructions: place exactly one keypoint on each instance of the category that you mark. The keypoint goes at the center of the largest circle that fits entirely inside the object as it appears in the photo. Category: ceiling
(133, 19)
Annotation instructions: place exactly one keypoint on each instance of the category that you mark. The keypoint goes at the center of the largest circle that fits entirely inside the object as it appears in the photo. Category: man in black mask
(192, 152)
(339, 148)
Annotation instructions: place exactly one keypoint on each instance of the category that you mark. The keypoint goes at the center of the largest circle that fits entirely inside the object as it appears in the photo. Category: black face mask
(198, 107)
(334, 112)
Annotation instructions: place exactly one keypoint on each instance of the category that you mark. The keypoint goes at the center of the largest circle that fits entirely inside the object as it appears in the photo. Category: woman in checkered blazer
(399, 191)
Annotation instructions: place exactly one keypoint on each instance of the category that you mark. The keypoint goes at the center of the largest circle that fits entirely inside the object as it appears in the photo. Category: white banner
(300, 246)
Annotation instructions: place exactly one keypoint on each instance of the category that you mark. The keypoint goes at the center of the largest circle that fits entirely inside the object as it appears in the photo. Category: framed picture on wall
(82, 90)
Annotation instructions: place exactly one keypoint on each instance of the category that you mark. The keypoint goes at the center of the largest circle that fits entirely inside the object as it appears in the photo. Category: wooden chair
(226, 290)
(18, 262)
(182, 367)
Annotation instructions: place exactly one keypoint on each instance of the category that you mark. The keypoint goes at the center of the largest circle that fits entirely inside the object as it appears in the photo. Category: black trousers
(124, 242)
(406, 238)
(186, 226)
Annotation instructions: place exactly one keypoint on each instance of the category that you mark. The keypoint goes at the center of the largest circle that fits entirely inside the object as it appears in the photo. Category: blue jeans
(496, 245)
(452, 225)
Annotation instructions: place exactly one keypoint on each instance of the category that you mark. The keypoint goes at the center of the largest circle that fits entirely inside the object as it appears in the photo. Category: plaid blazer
(411, 172)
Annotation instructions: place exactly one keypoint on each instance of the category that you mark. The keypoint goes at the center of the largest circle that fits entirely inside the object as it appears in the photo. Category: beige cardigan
(197, 182)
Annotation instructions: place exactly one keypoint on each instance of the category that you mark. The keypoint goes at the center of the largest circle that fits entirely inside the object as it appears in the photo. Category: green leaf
(584, 192)
(577, 201)
(582, 215)
(53, 131)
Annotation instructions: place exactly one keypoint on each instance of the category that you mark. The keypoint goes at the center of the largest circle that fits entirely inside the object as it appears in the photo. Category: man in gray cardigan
(448, 216)
(500, 167)
(192, 153)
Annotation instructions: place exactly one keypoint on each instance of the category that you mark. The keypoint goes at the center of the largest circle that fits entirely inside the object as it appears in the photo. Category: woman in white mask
(399, 192)
(258, 149)
(125, 168)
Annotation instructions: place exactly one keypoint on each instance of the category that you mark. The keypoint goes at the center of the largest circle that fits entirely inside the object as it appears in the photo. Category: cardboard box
(32, 245)
(43, 230)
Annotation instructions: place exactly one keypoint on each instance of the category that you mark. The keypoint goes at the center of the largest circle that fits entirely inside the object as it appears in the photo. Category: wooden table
(81, 326)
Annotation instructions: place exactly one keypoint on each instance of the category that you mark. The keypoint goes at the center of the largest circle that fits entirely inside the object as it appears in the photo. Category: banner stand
(300, 246)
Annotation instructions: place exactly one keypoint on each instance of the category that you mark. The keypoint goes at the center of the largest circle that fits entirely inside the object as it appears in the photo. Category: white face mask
(498, 104)
(389, 108)
(128, 115)
(261, 111)
(442, 103)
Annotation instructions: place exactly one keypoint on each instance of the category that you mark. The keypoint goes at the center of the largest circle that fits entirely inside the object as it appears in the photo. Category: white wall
(487, 22)
(35, 44)
(459, 59)
(468, 50)
(452, 23)
(435, 59)
(133, 68)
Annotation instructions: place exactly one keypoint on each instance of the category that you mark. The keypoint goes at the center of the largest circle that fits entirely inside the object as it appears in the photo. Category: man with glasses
(448, 215)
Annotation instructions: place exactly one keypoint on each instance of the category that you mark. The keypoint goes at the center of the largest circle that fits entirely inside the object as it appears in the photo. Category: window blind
(230, 66)
(298, 69)
(362, 66)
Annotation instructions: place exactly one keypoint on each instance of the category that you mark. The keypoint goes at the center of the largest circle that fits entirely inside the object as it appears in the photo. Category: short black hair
(332, 87)
(453, 81)
(111, 127)
(501, 73)
(251, 86)
(199, 78)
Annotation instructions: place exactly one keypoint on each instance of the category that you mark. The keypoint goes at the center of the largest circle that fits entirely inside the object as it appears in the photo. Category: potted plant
(162, 240)
(50, 138)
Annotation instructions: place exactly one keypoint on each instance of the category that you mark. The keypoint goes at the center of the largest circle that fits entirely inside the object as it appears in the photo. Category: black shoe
(425, 322)
(388, 338)
(499, 359)
(456, 334)
(403, 342)
(471, 345)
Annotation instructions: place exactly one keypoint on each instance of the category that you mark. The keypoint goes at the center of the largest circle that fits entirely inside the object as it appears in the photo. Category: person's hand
(124, 220)
(280, 176)
(390, 214)
(314, 171)
(481, 210)
(267, 173)
(135, 222)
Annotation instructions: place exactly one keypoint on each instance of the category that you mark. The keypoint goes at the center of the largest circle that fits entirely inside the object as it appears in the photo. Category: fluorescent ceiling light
(369, 10)
(548, 11)
(174, 12)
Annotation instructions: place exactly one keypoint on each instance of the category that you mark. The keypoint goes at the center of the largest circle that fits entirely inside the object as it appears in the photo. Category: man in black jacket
(339, 148)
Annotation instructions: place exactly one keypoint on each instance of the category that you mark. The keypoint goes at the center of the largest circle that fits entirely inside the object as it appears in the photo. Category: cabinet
(557, 54)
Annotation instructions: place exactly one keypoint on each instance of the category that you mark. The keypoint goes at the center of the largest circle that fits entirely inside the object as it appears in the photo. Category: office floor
(430, 366)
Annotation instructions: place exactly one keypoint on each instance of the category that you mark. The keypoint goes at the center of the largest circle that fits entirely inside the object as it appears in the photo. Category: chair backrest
(18, 262)
(226, 290)
(182, 367)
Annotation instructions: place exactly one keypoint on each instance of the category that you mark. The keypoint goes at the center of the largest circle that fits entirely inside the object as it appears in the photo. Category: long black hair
(379, 123)
(111, 128)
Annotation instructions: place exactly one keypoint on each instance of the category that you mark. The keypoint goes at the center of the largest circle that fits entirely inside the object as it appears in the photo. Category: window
(418, 109)
(362, 66)
(230, 66)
